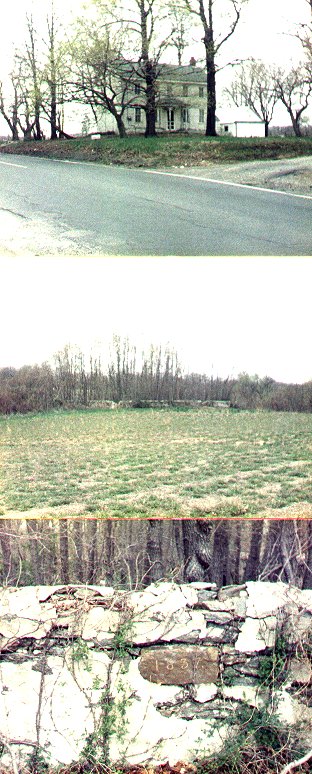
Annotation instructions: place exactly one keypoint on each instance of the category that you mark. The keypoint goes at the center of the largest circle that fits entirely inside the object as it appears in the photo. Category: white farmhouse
(181, 102)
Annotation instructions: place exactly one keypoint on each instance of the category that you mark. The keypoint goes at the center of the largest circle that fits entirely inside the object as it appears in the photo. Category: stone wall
(148, 676)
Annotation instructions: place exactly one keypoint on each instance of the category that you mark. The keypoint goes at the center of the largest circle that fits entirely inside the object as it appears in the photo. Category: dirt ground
(289, 175)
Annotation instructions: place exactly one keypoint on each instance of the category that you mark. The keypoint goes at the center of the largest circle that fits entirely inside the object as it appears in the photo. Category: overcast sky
(263, 32)
(223, 315)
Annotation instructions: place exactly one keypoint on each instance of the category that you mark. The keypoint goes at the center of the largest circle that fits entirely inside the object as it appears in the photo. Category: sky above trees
(262, 30)
(223, 316)
(265, 31)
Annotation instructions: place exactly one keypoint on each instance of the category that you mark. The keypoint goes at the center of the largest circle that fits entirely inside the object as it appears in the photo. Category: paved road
(49, 207)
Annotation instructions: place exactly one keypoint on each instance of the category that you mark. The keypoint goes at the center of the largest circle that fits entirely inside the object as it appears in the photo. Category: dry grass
(171, 150)
(134, 463)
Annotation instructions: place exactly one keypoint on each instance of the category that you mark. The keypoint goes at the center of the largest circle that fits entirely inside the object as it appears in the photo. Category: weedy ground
(165, 150)
(153, 463)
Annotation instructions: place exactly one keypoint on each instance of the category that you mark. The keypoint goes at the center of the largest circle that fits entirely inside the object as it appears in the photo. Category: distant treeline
(73, 383)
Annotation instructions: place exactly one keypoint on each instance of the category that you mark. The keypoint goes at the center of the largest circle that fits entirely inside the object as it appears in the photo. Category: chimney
(192, 62)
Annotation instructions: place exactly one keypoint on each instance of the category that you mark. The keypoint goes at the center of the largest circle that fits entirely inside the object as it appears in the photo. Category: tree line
(139, 380)
(133, 553)
(116, 50)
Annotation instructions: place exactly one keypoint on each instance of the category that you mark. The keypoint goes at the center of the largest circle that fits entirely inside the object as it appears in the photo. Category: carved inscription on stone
(180, 665)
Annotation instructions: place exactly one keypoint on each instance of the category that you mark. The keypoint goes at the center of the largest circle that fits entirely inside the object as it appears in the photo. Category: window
(185, 116)
(185, 90)
(170, 119)
(137, 115)
(226, 128)
(137, 88)
(201, 115)
(201, 91)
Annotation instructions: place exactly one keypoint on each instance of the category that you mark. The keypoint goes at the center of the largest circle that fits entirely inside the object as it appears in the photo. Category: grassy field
(172, 150)
(162, 462)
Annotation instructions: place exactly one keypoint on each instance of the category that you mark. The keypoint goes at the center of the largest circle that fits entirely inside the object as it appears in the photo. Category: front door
(170, 118)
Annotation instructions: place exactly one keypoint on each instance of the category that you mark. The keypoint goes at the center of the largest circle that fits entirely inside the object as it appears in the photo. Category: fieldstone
(220, 634)
(240, 607)
(202, 693)
(227, 592)
(215, 634)
(186, 625)
(251, 667)
(163, 598)
(215, 616)
(205, 597)
(300, 671)
(22, 615)
(202, 585)
(266, 599)
(180, 665)
(247, 693)
(233, 677)
(298, 626)
(44, 592)
(292, 711)
(231, 656)
(214, 605)
(257, 635)
(100, 624)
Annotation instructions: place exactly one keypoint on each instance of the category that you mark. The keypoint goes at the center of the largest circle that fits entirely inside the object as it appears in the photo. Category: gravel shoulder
(289, 175)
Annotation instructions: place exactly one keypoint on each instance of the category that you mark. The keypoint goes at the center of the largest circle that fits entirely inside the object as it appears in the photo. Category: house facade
(182, 99)
(181, 102)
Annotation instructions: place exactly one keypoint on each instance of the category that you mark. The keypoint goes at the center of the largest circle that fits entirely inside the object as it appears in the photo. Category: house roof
(166, 72)
(170, 101)
(233, 115)
(183, 73)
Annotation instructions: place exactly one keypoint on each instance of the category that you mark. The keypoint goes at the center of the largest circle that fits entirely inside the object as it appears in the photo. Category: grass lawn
(163, 462)
(172, 150)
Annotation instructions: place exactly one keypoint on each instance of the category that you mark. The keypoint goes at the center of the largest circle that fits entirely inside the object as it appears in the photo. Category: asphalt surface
(54, 207)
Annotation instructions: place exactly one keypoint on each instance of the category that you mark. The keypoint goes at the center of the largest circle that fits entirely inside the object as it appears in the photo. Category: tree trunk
(91, 549)
(211, 97)
(155, 569)
(79, 566)
(64, 551)
(149, 73)
(9, 556)
(210, 67)
(150, 110)
(252, 564)
(120, 126)
(296, 126)
(53, 118)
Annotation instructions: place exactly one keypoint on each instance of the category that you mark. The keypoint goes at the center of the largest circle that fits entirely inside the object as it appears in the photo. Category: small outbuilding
(239, 123)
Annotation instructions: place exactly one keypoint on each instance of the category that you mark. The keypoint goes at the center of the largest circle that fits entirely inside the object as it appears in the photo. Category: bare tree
(205, 11)
(180, 29)
(100, 75)
(10, 113)
(33, 67)
(293, 89)
(254, 87)
(54, 76)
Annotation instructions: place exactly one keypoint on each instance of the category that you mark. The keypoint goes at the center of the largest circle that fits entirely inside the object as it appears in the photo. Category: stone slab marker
(180, 665)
